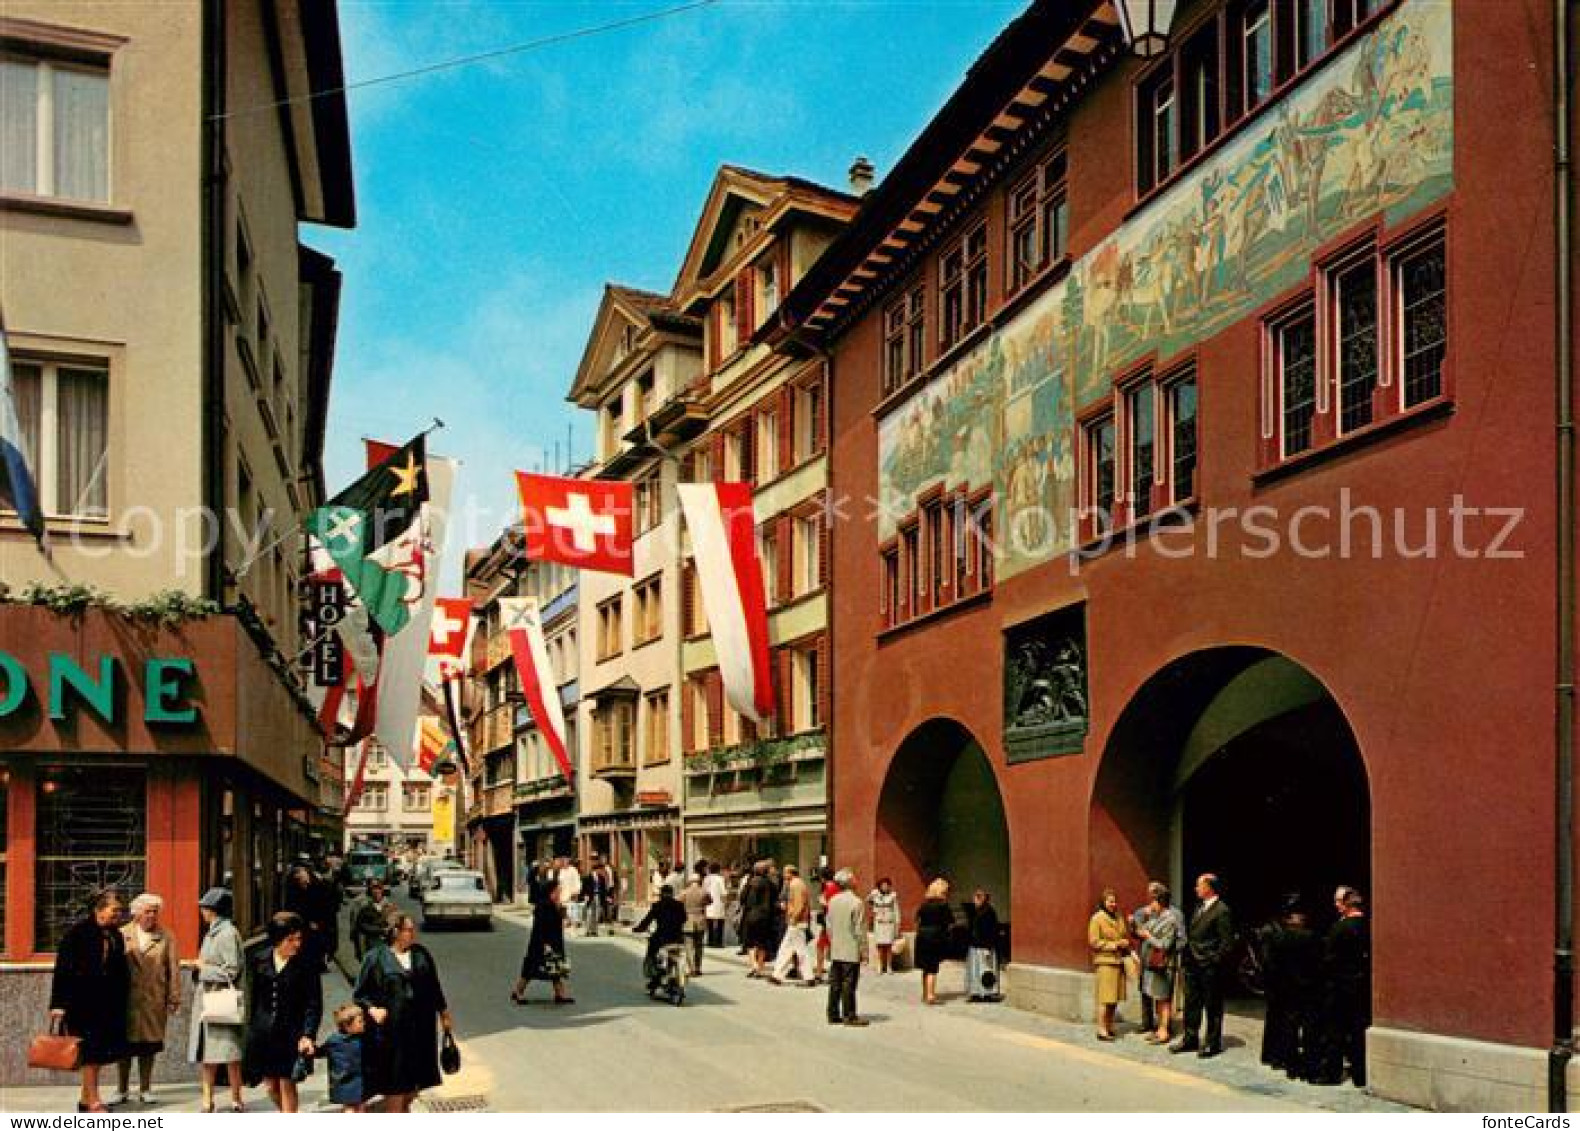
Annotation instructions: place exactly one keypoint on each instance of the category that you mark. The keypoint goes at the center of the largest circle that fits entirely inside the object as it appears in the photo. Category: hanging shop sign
(95, 687)
(323, 608)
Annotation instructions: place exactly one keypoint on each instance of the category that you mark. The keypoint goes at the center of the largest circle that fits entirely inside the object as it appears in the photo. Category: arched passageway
(940, 814)
(1236, 761)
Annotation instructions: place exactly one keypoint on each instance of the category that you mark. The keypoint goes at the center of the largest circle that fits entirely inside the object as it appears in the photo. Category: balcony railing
(757, 755)
(543, 789)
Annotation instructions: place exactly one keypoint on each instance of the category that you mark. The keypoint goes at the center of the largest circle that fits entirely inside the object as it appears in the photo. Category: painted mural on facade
(1371, 132)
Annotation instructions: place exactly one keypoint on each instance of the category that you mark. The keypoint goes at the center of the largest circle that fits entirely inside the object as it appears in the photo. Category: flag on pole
(406, 653)
(371, 533)
(449, 634)
(432, 744)
(18, 488)
(584, 523)
(524, 629)
(723, 530)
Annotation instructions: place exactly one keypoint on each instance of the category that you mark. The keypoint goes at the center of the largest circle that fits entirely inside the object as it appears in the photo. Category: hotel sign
(67, 686)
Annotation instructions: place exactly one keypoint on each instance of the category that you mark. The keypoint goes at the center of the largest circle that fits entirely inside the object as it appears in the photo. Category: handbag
(1132, 967)
(450, 1054)
(222, 1005)
(55, 1050)
(1158, 958)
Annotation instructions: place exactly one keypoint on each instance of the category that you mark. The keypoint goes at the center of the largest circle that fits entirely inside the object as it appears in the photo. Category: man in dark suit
(1208, 944)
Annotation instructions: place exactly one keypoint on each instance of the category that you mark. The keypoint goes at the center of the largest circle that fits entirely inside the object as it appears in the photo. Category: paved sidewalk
(186, 1096)
(1239, 1068)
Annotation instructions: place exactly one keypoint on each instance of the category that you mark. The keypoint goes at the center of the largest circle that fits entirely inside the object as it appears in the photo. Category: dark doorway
(940, 814)
(1236, 761)
(1281, 809)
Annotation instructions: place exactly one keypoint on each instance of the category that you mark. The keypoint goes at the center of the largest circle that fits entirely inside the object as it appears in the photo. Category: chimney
(861, 176)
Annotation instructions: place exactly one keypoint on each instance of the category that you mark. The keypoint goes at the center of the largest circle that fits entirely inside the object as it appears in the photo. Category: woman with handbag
(1109, 941)
(218, 1033)
(1160, 943)
(87, 996)
(153, 964)
(545, 958)
(287, 1002)
(399, 989)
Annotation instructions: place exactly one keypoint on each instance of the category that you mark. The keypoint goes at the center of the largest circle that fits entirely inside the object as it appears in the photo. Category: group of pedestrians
(256, 1014)
(1318, 986)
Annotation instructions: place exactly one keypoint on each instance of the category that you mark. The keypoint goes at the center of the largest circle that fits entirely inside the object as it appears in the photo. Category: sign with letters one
(92, 687)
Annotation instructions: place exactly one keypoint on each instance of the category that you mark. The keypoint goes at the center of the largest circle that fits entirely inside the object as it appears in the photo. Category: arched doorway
(940, 814)
(1236, 761)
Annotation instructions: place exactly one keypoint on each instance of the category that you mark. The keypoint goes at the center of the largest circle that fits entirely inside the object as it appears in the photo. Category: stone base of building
(1458, 1074)
(24, 1011)
(1420, 1069)
(1065, 994)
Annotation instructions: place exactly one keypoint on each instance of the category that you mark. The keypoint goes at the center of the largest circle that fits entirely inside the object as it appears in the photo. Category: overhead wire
(479, 57)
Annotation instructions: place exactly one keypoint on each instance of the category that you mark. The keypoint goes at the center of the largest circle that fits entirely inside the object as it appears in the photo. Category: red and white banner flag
(723, 530)
(524, 629)
(584, 523)
(448, 635)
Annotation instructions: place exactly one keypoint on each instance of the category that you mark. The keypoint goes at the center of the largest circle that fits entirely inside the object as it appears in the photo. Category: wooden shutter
(783, 679)
(688, 708)
(825, 681)
(787, 454)
(784, 528)
(686, 599)
(749, 449)
(715, 698)
(825, 539)
(744, 302)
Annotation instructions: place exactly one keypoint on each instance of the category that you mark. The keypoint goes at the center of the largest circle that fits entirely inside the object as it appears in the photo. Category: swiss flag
(448, 634)
(584, 523)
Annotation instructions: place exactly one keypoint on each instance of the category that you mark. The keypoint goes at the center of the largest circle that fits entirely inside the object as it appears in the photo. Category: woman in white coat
(884, 906)
(220, 964)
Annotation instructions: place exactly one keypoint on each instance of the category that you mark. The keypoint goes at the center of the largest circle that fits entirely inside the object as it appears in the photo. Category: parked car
(457, 896)
(422, 875)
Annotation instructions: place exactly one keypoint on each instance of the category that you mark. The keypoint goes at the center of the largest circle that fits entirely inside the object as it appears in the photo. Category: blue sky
(496, 199)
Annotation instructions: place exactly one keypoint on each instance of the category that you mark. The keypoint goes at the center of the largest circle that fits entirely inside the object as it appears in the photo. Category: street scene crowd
(259, 1008)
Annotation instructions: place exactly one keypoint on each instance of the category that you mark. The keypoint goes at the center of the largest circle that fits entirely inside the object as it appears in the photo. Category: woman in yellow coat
(1109, 940)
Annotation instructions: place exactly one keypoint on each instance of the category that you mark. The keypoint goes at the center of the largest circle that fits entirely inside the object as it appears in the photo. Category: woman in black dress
(89, 990)
(934, 920)
(399, 988)
(545, 958)
(759, 903)
(284, 1004)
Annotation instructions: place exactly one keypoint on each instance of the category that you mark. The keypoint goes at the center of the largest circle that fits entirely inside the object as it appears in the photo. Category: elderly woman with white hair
(154, 963)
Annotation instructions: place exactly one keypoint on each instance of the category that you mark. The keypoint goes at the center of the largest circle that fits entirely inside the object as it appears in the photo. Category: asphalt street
(739, 1043)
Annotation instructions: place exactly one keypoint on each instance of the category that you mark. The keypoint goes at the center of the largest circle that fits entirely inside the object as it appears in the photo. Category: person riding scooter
(668, 918)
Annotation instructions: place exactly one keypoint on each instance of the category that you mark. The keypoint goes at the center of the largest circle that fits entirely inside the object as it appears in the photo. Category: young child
(343, 1050)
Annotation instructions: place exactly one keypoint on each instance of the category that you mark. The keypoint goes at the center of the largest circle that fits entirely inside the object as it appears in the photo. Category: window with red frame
(1141, 442)
(1179, 407)
(963, 275)
(1039, 221)
(1099, 475)
(1227, 66)
(891, 587)
(937, 554)
(1372, 346)
(903, 338)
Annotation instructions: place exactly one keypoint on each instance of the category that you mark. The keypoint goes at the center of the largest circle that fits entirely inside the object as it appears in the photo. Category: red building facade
(1191, 449)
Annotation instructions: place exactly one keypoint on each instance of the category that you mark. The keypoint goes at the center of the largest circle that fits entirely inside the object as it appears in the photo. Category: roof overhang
(309, 75)
(1029, 74)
